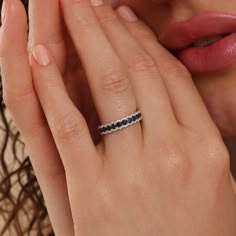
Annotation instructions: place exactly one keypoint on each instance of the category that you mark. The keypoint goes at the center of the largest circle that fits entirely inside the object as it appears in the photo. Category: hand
(22, 101)
(55, 36)
(168, 175)
(52, 33)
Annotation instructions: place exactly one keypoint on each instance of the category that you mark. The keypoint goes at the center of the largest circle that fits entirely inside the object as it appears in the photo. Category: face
(217, 87)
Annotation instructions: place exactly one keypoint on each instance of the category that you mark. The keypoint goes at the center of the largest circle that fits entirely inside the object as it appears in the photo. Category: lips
(180, 36)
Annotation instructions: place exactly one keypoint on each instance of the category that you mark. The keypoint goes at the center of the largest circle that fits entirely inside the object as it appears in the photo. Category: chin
(218, 91)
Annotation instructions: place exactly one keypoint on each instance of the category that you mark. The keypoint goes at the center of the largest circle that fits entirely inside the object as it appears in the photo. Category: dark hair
(22, 207)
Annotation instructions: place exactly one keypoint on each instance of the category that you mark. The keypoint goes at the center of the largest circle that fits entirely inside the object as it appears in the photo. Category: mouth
(209, 55)
(208, 41)
(205, 43)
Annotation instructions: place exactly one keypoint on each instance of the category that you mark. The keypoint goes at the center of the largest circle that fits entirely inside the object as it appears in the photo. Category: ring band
(120, 124)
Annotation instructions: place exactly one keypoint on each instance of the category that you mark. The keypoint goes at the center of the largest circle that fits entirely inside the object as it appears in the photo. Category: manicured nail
(127, 14)
(41, 55)
(4, 9)
(96, 3)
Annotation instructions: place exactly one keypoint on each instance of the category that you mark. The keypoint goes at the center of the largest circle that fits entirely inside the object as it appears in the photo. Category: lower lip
(214, 57)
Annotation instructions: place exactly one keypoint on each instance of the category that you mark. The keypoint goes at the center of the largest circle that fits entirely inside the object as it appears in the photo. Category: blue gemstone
(108, 128)
(119, 124)
(133, 118)
(103, 129)
(113, 126)
(124, 122)
(130, 120)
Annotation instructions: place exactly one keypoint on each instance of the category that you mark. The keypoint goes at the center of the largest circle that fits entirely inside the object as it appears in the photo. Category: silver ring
(120, 124)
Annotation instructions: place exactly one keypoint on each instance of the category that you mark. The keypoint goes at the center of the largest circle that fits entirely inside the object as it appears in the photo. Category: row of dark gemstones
(120, 123)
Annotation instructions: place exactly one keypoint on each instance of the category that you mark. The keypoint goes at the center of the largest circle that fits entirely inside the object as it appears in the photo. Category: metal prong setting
(120, 124)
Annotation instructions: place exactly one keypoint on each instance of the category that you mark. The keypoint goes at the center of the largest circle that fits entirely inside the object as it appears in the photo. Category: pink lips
(178, 37)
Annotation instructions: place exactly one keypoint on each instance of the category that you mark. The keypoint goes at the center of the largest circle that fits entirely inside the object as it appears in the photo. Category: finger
(188, 106)
(151, 95)
(67, 124)
(21, 101)
(46, 27)
(111, 88)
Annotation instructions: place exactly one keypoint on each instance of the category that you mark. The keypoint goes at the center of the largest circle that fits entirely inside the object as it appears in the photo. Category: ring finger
(109, 82)
(144, 67)
(151, 95)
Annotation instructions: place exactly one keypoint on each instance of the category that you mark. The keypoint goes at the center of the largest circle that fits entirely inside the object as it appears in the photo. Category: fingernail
(127, 14)
(41, 56)
(96, 3)
(4, 8)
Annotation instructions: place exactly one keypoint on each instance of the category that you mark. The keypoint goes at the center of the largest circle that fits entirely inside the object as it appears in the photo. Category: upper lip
(181, 34)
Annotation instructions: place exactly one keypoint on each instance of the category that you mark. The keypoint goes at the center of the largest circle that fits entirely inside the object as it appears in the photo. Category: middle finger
(151, 95)
(109, 83)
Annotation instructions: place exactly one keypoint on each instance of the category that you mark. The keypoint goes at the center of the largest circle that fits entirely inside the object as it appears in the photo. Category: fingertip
(13, 29)
(127, 14)
(14, 9)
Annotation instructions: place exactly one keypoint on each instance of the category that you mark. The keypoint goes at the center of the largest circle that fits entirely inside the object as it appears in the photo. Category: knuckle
(218, 156)
(143, 63)
(176, 161)
(217, 166)
(108, 18)
(180, 69)
(114, 82)
(68, 128)
(55, 38)
(145, 33)
(86, 23)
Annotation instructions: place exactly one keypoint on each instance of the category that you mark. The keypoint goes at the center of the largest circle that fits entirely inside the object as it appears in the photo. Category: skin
(131, 182)
(217, 89)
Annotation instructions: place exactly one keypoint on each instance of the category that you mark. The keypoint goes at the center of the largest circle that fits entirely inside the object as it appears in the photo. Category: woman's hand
(22, 101)
(168, 175)
(46, 26)
(21, 97)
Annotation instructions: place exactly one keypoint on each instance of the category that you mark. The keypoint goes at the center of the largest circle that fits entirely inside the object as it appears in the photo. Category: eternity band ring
(120, 124)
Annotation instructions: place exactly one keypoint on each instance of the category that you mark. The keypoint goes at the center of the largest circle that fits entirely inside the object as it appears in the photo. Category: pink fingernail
(127, 14)
(41, 56)
(96, 3)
